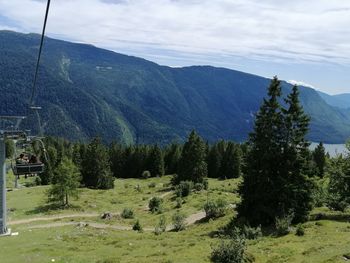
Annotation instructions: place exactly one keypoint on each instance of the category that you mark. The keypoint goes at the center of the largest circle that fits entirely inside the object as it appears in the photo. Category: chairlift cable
(39, 55)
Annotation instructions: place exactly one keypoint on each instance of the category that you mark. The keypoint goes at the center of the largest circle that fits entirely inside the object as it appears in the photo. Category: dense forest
(86, 92)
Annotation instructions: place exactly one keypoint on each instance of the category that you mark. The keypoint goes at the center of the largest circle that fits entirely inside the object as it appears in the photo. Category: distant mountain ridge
(86, 91)
(339, 100)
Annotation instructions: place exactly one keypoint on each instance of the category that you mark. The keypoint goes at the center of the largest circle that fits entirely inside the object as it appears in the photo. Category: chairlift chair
(27, 167)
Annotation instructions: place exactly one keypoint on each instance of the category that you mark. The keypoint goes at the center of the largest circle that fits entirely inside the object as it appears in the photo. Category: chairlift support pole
(4, 134)
(3, 209)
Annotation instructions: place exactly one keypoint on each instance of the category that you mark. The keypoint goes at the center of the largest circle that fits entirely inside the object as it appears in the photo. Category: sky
(305, 42)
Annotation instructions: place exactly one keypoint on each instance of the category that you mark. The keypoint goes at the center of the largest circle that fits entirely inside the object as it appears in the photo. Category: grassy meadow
(62, 240)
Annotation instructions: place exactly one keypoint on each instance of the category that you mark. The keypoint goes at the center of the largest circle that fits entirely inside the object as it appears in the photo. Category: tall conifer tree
(275, 183)
(192, 165)
(96, 166)
(298, 186)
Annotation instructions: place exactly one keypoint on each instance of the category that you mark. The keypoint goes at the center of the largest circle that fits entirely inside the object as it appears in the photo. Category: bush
(183, 189)
(336, 203)
(198, 187)
(206, 184)
(127, 213)
(161, 226)
(300, 231)
(105, 181)
(215, 209)
(146, 174)
(152, 185)
(236, 228)
(179, 202)
(319, 193)
(156, 205)
(283, 223)
(179, 221)
(138, 188)
(251, 232)
(229, 251)
(137, 226)
(37, 180)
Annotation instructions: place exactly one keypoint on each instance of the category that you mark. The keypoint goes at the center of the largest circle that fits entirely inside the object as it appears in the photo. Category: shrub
(155, 205)
(179, 202)
(206, 184)
(319, 193)
(146, 174)
(198, 187)
(179, 221)
(127, 213)
(283, 223)
(235, 228)
(300, 231)
(152, 185)
(37, 180)
(105, 181)
(161, 226)
(215, 209)
(229, 251)
(251, 232)
(183, 189)
(336, 203)
(138, 188)
(137, 226)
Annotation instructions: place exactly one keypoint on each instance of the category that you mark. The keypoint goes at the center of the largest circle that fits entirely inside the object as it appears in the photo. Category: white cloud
(300, 83)
(312, 31)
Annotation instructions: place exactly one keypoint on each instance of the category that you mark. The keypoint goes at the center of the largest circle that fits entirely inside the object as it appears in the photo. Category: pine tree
(172, 158)
(50, 165)
(319, 157)
(214, 161)
(231, 162)
(192, 165)
(339, 183)
(65, 183)
(215, 157)
(96, 167)
(275, 183)
(261, 187)
(156, 161)
(298, 187)
(116, 159)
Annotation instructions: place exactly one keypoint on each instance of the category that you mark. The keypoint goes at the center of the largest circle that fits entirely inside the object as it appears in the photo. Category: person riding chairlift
(22, 159)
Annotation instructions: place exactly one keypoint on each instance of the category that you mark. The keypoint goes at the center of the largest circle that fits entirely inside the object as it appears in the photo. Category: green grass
(324, 241)
(31, 202)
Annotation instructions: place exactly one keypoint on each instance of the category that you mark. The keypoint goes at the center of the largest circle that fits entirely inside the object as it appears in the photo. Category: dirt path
(192, 219)
(195, 217)
(57, 217)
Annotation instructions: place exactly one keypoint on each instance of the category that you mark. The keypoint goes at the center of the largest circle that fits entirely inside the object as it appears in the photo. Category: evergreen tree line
(98, 163)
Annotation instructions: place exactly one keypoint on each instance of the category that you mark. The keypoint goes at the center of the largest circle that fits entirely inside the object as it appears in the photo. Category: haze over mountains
(86, 91)
(339, 100)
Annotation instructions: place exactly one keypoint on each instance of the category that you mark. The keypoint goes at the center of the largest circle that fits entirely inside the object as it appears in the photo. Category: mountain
(339, 100)
(86, 91)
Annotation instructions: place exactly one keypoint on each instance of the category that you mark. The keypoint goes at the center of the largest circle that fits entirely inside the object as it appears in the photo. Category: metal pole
(3, 209)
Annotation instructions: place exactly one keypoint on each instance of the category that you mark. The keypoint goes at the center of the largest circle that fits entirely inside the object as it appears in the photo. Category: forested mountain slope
(86, 91)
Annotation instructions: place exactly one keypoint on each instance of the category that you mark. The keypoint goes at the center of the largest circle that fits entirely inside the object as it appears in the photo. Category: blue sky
(303, 41)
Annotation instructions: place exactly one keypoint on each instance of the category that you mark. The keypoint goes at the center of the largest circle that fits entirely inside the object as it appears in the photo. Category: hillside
(86, 91)
(339, 100)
